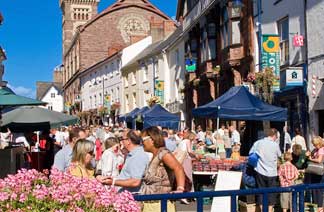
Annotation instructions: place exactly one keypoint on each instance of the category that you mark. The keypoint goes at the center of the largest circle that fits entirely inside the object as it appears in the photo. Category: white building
(176, 64)
(163, 62)
(315, 34)
(287, 21)
(51, 93)
(103, 80)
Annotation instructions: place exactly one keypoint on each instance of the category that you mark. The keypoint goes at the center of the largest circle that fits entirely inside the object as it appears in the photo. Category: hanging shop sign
(191, 65)
(159, 90)
(294, 76)
(298, 40)
(271, 57)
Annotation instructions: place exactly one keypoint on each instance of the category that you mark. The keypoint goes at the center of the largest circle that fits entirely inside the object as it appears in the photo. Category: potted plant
(30, 190)
(264, 81)
(153, 100)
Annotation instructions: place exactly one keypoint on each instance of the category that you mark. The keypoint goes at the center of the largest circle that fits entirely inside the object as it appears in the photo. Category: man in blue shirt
(170, 142)
(131, 175)
(266, 170)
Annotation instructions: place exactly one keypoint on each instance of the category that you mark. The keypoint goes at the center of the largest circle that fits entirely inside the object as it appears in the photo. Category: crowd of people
(159, 160)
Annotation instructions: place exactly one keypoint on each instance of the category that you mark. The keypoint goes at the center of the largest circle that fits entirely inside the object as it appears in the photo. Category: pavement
(192, 207)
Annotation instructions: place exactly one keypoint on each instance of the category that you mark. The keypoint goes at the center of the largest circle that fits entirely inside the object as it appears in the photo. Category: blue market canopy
(159, 116)
(239, 104)
(141, 111)
(129, 116)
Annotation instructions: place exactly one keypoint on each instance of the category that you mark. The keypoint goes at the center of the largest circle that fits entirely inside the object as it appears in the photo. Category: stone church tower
(74, 14)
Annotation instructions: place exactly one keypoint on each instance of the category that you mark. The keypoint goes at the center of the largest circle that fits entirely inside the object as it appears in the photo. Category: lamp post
(103, 88)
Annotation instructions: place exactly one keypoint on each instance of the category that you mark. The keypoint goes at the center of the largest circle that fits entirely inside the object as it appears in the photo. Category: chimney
(169, 27)
(58, 75)
(157, 31)
(161, 29)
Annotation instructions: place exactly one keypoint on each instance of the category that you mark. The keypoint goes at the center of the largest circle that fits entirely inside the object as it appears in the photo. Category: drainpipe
(306, 128)
(260, 33)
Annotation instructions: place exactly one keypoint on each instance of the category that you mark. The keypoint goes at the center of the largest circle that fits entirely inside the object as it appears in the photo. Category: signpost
(271, 57)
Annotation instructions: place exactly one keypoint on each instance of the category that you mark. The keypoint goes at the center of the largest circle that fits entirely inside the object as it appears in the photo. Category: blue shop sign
(294, 76)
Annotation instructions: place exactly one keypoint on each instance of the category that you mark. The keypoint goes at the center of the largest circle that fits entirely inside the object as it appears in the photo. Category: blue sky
(31, 35)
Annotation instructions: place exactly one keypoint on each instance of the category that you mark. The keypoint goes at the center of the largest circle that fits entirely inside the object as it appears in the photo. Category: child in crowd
(288, 173)
(236, 152)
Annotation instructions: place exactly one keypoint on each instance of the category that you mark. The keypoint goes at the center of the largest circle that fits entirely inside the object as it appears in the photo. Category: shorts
(267, 182)
(285, 200)
(155, 206)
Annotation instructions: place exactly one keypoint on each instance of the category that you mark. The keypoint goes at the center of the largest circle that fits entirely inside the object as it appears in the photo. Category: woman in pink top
(317, 156)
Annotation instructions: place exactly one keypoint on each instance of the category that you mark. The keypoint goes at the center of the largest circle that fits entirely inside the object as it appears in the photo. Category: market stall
(159, 116)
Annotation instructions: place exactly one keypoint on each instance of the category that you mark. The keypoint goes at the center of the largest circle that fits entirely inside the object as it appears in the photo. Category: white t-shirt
(298, 139)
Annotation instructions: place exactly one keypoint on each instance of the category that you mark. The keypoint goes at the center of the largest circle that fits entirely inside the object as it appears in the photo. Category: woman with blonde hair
(316, 156)
(82, 155)
(162, 171)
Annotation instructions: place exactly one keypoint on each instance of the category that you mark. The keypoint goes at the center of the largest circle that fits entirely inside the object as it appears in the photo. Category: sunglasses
(146, 138)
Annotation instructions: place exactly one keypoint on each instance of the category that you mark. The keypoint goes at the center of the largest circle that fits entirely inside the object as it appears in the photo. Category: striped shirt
(287, 174)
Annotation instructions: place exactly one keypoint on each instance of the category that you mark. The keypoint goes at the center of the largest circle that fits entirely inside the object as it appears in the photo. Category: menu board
(226, 180)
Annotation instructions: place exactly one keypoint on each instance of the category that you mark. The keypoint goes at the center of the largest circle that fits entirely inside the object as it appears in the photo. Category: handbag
(315, 168)
(254, 157)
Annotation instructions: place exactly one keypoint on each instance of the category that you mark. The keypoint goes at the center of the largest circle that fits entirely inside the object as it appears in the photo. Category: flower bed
(30, 190)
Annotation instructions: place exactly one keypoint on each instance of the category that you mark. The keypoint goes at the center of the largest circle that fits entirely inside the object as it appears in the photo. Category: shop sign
(298, 40)
(271, 57)
(159, 90)
(294, 77)
(191, 65)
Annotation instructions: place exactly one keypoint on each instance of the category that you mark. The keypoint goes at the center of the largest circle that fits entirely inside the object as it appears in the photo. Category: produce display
(213, 165)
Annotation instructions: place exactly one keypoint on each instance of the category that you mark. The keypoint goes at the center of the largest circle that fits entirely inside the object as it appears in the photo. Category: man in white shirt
(287, 139)
(235, 135)
(20, 138)
(5, 138)
(200, 134)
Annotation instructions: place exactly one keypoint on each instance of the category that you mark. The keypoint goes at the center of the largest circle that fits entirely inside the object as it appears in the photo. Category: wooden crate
(244, 207)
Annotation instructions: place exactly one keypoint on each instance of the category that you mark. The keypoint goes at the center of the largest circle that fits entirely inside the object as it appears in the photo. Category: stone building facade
(118, 26)
(219, 37)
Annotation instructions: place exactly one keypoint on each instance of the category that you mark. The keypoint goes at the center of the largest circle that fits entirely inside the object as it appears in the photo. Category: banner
(107, 102)
(159, 90)
(271, 57)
